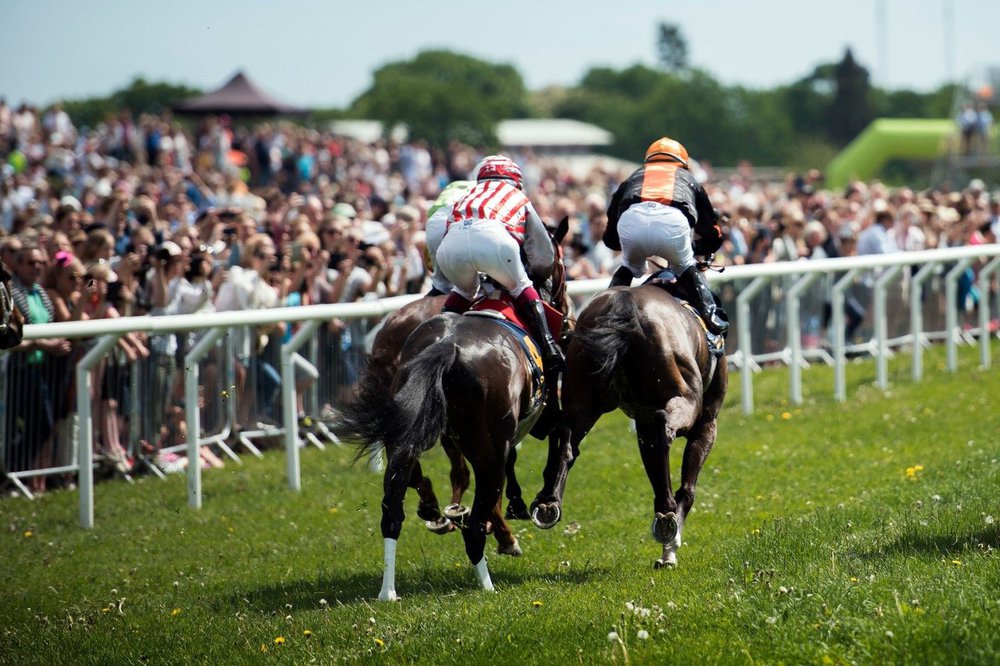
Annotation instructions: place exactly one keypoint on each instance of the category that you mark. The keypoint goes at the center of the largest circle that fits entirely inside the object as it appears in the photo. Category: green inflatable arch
(885, 139)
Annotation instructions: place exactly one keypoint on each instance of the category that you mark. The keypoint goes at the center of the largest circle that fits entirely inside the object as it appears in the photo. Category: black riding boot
(702, 299)
(534, 316)
(622, 278)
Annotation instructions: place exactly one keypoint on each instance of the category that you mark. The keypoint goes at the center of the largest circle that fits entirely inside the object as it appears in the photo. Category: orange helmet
(667, 149)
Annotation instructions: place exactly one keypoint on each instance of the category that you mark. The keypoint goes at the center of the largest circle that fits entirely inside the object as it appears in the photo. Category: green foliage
(671, 47)
(826, 533)
(442, 96)
(138, 97)
(851, 109)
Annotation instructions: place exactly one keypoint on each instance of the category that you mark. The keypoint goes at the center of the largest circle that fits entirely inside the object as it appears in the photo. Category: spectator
(30, 421)
(875, 239)
(247, 288)
(984, 125)
(968, 122)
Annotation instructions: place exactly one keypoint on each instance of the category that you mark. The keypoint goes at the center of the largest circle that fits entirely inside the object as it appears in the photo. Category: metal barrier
(788, 313)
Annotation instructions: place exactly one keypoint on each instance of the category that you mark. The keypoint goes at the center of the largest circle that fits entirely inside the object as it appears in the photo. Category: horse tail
(607, 341)
(409, 422)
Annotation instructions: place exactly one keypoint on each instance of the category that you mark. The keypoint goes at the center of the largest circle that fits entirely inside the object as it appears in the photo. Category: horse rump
(606, 338)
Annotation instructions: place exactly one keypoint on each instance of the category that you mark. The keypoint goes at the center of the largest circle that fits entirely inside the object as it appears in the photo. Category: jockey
(437, 223)
(653, 212)
(486, 230)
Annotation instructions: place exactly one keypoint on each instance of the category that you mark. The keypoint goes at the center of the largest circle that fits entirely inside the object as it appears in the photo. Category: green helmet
(452, 192)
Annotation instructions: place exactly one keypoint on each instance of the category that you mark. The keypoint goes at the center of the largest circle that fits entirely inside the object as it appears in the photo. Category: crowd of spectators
(151, 216)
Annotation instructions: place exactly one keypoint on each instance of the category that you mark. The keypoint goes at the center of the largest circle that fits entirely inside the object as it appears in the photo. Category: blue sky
(323, 53)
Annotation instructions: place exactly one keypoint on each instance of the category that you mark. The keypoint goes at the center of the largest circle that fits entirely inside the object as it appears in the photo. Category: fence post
(984, 310)
(882, 326)
(83, 406)
(743, 330)
(951, 315)
(917, 317)
(794, 333)
(837, 321)
(288, 400)
(192, 413)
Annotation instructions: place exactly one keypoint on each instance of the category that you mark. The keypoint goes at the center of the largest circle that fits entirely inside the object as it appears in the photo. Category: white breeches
(649, 229)
(434, 230)
(481, 246)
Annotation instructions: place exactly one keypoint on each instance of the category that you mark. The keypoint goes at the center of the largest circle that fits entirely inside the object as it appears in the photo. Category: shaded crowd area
(149, 216)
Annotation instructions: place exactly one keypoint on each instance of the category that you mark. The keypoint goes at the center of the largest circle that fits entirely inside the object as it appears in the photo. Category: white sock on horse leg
(484, 576)
(388, 592)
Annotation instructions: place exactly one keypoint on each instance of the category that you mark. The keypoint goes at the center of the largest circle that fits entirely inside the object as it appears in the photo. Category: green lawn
(864, 532)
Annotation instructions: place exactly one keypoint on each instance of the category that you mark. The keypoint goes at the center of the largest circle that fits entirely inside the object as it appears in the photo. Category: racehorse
(639, 349)
(467, 380)
(11, 319)
(384, 361)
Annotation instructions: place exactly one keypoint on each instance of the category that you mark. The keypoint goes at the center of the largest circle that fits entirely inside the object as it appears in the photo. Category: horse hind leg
(394, 484)
(506, 541)
(516, 508)
(655, 435)
(455, 512)
(699, 444)
(486, 505)
(428, 508)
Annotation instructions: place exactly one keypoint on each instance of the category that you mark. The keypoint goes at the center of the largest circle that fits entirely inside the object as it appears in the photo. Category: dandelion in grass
(307, 633)
(989, 520)
(786, 415)
(642, 635)
(613, 637)
(333, 509)
(175, 612)
(279, 640)
(379, 642)
(957, 563)
(536, 604)
(912, 473)
(263, 648)
(28, 534)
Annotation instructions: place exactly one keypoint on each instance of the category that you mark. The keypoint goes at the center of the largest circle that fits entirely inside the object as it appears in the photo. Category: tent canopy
(240, 96)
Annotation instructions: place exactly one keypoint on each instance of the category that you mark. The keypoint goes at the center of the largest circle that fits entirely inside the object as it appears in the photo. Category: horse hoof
(517, 510)
(666, 563)
(458, 515)
(388, 595)
(665, 527)
(440, 526)
(545, 516)
(512, 549)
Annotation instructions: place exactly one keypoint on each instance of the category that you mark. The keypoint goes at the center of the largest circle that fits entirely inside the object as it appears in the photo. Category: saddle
(667, 281)
(500, 308)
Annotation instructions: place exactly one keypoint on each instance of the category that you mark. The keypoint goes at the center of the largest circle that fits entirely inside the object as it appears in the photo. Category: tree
(442, 95)
(672, 47)
(138, 97)
(851, 109)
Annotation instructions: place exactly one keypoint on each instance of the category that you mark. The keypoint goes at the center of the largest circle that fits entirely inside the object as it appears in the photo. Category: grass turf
(863, 532)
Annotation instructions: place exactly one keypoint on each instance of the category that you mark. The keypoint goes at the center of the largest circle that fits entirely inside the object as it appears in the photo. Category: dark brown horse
(384, 362)
(11, 320)
(467, 381)
(641, 350)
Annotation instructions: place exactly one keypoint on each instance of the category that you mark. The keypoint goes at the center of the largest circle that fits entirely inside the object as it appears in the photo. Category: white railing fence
(788, 313)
